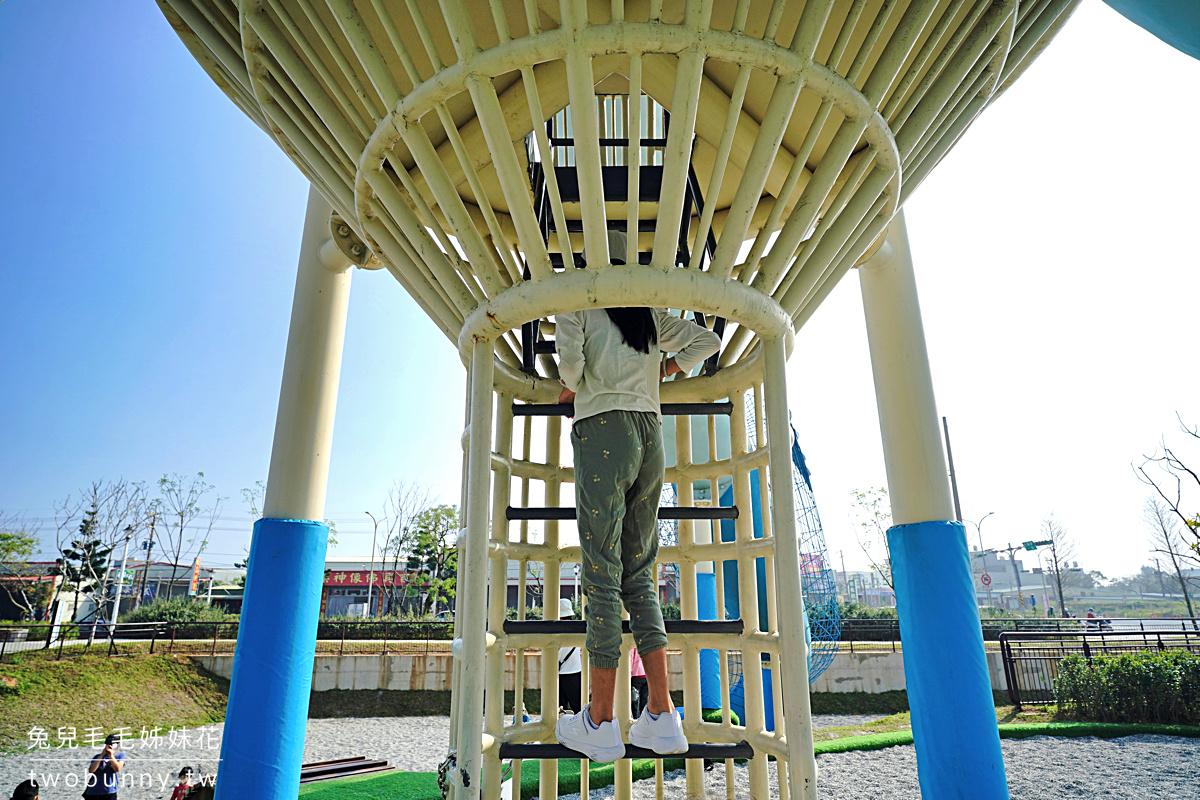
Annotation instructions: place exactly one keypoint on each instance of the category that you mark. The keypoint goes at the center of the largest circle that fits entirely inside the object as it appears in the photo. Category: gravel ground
(845, 720)
(1131, 768)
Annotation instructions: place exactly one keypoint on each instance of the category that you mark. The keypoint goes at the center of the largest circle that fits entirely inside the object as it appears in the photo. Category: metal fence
(380, 637)
(219, 638)
(1031, 659)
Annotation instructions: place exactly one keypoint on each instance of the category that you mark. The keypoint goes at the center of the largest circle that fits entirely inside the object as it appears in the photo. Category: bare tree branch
(188, 515)
(1164, 536)
(872, 514)
(1062, 550)
(18, 540)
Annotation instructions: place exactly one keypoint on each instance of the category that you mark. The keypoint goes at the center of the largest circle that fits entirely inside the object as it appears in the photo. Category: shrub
(179, 611)
(671, 611)
(359, 629)
(1152, 686)
(854, 610)
(531, 612)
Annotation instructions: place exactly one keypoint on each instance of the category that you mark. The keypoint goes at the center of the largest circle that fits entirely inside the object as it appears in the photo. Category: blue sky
(146, 288)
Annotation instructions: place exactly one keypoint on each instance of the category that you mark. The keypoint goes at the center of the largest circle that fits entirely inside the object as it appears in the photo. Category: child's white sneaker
(663, 735)
(601, 743)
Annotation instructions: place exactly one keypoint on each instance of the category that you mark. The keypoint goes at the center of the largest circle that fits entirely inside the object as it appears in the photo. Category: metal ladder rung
(668, 409)
(664, 512)
(527, 627)
(714, 752)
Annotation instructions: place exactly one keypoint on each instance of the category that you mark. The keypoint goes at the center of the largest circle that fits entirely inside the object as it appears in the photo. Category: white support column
(945, 667)
(299, 471)
(790, 598)
(263, 744)
(472, 583)
(918, 485)
(493, 711)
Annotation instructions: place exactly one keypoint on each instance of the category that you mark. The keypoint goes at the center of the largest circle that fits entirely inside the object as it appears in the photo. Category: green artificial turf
(391, 785)
(423, 786)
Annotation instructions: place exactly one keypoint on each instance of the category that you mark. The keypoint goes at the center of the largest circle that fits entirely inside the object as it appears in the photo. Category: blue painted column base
(710, 660)
(263, 744)
(945, 667)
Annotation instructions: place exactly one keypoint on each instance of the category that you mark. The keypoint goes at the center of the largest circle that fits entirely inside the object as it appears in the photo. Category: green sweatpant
(618, 482)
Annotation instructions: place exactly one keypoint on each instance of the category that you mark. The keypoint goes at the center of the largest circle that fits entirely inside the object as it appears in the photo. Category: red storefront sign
(340, 577)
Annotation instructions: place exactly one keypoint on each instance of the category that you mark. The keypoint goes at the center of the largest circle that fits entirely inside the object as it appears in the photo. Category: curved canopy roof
(1176, 22)
(472, 145)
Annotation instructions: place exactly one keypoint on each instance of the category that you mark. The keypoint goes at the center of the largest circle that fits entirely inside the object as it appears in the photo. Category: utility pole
(953, 479)
(1162, 590)
(146, 566)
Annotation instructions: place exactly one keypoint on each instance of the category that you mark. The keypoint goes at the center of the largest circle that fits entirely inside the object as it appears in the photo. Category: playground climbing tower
(509, 160)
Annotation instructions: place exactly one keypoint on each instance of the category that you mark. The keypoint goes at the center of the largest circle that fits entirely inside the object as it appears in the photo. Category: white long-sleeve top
(608, 375)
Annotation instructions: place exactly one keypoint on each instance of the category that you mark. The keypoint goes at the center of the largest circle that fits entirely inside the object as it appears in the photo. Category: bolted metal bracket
(351, 246)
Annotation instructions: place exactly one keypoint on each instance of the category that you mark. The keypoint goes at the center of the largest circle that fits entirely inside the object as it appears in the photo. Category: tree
(253, 498)
(1062, 550)
(85, 560)
(1147, 580)
(405, 504)
(1165, 539)
(434, 552)
(93, 522)
(872, 515)
(188, 514)
(18, 541)
(1176, 484)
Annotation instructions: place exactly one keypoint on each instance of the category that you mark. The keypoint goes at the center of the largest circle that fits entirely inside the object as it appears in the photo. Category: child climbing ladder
(611, 369)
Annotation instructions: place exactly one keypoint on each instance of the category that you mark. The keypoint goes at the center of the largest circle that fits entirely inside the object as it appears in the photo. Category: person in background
(103, 770)
(185, 783)
(639, 689)
(611, 363)
(570, 667)
(26, 790)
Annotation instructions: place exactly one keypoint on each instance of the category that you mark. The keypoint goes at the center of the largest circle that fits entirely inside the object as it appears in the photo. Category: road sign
(985, 579)
(1036, 545)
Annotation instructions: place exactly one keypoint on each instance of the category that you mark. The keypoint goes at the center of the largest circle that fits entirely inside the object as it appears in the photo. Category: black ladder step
(526, 627)
(664, 512)
(714, 752)
(568, 409)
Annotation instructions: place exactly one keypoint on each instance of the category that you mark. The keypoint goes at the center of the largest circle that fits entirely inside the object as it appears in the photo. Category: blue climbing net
(823, 620)
(817, 577)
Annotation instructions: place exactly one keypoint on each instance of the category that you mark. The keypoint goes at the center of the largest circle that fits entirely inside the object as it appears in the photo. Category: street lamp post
(978, 526)
(371, 577)
(121, 578)
(1042, 567)
(146, 568)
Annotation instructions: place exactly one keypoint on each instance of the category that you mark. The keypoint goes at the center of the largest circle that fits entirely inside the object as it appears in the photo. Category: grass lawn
(90, 691)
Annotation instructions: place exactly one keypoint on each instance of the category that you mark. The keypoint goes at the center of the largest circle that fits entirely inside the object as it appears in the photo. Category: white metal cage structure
(792, 132)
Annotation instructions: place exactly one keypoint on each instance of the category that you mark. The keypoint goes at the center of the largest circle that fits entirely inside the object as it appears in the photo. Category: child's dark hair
(186, 772)
(636, 326)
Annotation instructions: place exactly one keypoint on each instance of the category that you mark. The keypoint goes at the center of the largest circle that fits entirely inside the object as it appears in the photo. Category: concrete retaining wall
(849, 672)
(884, 672)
